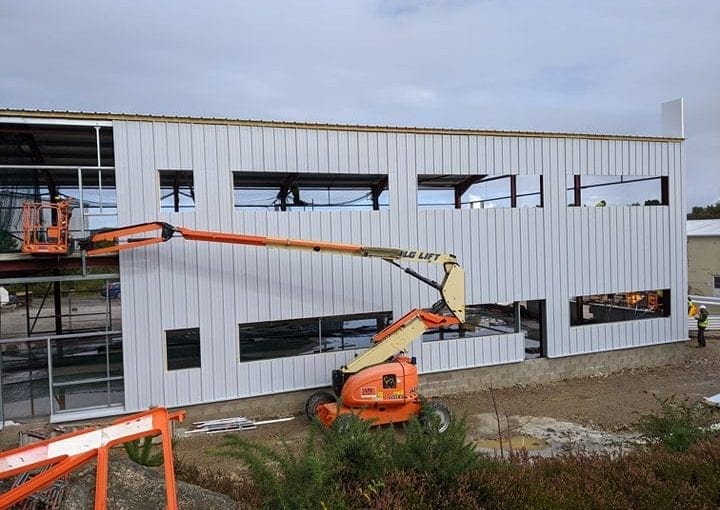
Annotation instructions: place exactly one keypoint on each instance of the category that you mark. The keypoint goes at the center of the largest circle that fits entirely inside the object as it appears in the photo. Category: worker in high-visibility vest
(702, 324)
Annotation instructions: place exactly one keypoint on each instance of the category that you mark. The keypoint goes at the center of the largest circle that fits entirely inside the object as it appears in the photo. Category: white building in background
(547, 274)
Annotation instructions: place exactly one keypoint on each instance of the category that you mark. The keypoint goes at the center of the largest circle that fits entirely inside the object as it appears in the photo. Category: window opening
(309, 191)
(479, 191)
(480, 320)
(616, 191)
(183, 348)
(278, 339)
(532, 323)
(177, 190)
(621, 306)
(71, 323)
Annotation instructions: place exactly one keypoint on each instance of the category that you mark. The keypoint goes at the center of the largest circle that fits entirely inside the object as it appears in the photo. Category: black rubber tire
(316, 399)
(439, 411)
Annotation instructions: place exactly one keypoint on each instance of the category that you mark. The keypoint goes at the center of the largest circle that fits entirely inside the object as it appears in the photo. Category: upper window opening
(177, 190)
(309, 192)
(479, 191)
(616, 191)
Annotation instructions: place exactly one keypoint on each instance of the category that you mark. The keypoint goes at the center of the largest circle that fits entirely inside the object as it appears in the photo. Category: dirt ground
(608, 403)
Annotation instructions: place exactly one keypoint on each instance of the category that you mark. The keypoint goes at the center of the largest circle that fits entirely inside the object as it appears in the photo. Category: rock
(135, 487)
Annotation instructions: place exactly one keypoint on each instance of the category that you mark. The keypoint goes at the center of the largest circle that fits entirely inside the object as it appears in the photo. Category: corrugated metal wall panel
(551, 253)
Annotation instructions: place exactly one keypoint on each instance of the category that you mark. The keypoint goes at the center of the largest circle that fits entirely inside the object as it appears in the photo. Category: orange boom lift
(381, 384)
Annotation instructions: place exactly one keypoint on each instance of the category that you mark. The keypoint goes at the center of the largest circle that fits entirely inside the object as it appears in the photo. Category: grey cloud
(563, 65)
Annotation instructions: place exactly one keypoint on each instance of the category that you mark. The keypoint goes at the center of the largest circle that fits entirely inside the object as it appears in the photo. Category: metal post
(107, 366)
(513, 191)
(50, 377)
(97, 144)
(320, 335)
(57, 305)
(30, 362)
(2, 405)
(27, 309)
(82, 219)
(577, 193)
(518, 325)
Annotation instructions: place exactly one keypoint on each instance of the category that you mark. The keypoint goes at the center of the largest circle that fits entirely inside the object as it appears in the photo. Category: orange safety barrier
(66, 452)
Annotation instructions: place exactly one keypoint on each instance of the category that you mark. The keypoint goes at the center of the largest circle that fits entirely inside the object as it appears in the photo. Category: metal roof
(105, 117)
(703, 228)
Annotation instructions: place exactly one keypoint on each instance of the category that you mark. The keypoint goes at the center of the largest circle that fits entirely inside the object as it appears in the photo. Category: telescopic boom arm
(452, 287)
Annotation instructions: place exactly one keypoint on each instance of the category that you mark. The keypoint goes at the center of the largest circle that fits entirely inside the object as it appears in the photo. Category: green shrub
(679, 425)
(144, 454)
(347, 464)
(438, 456)
(288, 479)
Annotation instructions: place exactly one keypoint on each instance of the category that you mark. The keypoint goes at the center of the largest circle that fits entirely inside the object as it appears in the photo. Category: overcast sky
(588, 66)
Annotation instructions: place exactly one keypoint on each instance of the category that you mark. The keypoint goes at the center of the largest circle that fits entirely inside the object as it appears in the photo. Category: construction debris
(714, 400)
(238, 423)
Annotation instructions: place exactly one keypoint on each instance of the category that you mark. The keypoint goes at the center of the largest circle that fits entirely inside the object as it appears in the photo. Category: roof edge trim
(106, 119)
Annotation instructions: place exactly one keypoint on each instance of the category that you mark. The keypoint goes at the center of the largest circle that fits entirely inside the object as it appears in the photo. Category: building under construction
(572, 244)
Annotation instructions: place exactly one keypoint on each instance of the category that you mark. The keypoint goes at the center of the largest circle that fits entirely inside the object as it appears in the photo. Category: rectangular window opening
(297, 337)
(532, 323)
(527, 317)
(278, 191)
(618, 307)
(616, 190)
(182, 348)
(177, 190)
(479, 191)
(480, 320)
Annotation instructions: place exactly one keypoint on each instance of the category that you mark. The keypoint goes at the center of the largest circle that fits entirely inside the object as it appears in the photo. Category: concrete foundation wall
(537, 371)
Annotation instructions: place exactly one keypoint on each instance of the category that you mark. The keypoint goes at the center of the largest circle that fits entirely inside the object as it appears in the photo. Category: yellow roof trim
(95, 116)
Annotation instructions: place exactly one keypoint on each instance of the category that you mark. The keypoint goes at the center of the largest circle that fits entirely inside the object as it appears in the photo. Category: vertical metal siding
(551, 253)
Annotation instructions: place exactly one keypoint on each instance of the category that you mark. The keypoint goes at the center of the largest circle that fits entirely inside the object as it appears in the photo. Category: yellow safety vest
(703, 319)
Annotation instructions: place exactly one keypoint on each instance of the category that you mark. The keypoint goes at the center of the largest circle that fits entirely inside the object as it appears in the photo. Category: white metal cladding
(551, 253)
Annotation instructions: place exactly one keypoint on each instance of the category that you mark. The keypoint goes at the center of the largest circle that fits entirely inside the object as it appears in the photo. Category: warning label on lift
(368, 392)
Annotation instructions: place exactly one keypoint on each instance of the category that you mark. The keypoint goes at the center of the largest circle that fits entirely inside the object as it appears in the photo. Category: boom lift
(381, 384)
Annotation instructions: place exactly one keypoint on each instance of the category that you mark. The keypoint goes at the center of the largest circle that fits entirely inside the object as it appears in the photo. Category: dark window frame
(175, 184)
(643, 305)
(289, 191)
(577, 188)
(173, 363)
(460, 185)
(303, 336)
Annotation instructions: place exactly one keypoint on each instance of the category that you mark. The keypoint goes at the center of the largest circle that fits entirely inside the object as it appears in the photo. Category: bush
(438, 456)
(678, 426)
(144, 454)
(358, 466)
(348, 464)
